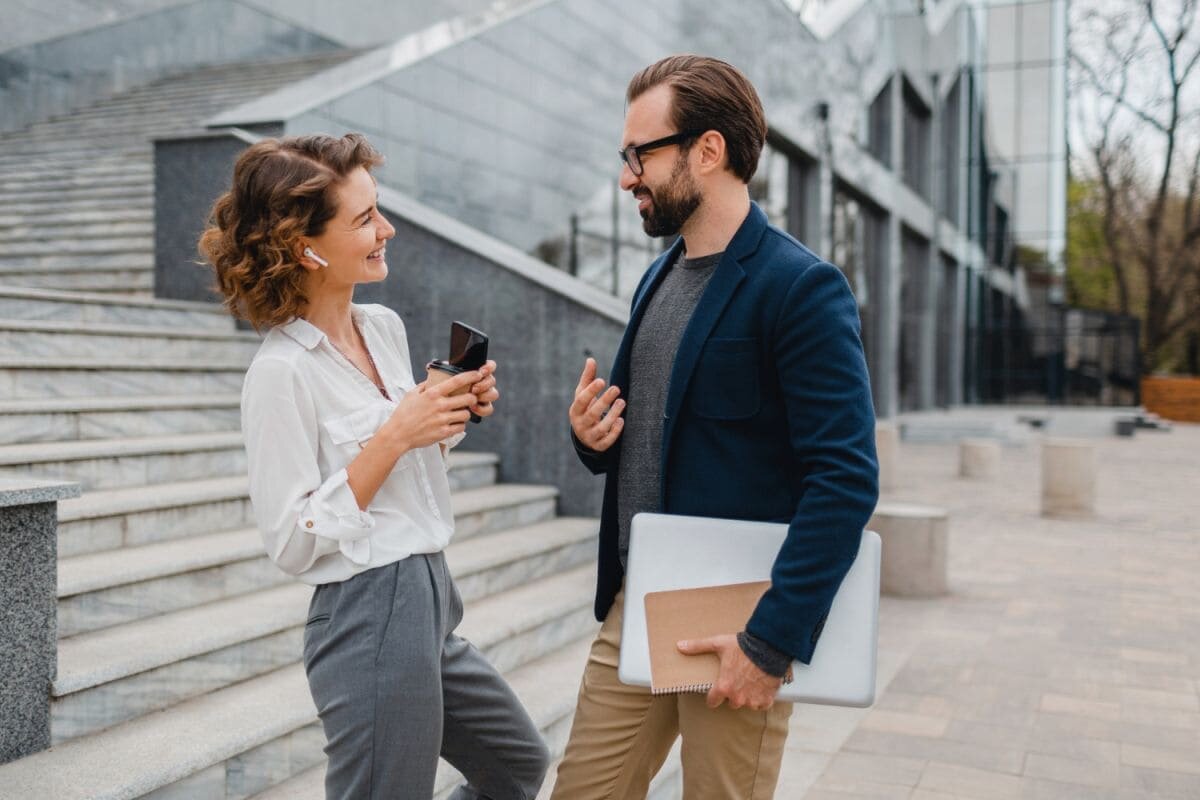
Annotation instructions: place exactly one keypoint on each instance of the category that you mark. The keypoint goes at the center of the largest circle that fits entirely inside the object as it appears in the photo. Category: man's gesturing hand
(596, 418)
(739, 681)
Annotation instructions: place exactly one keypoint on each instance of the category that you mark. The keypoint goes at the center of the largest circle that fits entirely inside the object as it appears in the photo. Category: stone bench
(977, 458)
(915, 542)
(887, 450)
(1068, 478)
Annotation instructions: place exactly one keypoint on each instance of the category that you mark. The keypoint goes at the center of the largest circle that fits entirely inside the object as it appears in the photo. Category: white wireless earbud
(308, 251)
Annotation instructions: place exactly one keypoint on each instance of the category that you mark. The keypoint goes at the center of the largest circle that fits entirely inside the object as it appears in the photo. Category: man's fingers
(585, 396)
(611, 418)
(588, 375)
(602, 404)
(692, 647)
(611, 437)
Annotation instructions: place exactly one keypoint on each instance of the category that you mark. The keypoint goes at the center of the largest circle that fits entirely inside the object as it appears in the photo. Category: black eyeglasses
(632, 155)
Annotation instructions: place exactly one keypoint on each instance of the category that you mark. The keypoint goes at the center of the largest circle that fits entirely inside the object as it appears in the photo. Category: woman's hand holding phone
(485, 391)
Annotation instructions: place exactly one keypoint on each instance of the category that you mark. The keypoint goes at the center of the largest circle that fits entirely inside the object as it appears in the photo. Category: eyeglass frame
(631, 154)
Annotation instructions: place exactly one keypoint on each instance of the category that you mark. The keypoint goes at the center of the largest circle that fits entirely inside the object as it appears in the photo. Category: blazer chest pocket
(725, 383)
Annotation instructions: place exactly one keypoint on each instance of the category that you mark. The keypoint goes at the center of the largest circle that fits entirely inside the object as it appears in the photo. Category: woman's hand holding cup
(437, 409)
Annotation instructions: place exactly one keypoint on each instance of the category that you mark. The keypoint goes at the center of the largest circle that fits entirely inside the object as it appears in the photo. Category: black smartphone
(468, 350)
(468, 347)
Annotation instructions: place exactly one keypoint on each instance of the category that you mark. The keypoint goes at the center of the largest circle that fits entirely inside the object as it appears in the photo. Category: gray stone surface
(189, 174)
(27, 618)
(26, 491)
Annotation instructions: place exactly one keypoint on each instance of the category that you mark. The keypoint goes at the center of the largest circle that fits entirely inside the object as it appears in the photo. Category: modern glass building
(920, 146)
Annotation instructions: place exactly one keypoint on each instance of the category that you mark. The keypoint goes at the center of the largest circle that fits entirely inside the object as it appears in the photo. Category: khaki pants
(622, 735)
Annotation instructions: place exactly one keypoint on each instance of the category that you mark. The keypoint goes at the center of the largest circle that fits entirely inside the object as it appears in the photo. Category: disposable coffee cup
(440, 370)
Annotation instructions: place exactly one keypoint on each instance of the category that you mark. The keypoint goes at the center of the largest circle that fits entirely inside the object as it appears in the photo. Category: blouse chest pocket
(725, 382)
(357, 427)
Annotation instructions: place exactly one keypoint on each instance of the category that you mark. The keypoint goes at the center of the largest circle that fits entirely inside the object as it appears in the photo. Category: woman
(348, 480)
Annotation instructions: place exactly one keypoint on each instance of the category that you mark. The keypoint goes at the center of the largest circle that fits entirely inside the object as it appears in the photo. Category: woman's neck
(332, 315)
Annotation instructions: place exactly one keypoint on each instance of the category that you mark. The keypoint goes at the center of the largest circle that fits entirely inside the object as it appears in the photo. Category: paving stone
(1072, 770)
(1064, 664)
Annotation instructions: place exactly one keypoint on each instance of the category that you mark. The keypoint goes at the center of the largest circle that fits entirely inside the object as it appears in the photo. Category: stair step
(114, 587)
(21, 252)
(99, 590)
(81, 262)
(34, 230)
(117, 283)
(10, 200)
(134, 461)
(66, 339)
(49, 304)
(71, 377)
(113, 675)
(32, 210)
(54, 219)
(98, 167)
(15, 187)
(112, 518)
(85, 418)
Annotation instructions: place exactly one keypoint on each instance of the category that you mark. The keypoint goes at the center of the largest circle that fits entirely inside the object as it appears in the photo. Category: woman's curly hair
(282, 189)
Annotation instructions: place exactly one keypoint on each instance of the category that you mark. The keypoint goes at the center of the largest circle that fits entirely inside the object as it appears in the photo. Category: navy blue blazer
(768, 417)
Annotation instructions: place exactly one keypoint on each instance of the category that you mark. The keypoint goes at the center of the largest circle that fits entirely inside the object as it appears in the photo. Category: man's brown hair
(710, 95)
(282, 189)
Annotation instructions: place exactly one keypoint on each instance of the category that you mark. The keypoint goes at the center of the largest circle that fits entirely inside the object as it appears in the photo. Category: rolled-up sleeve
(301, 516)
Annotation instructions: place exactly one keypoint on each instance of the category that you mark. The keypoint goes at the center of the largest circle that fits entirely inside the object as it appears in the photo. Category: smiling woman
(348, 480)
(283, 191)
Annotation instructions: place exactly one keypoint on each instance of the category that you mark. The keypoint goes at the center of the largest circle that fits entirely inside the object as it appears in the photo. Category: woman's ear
(309, 259)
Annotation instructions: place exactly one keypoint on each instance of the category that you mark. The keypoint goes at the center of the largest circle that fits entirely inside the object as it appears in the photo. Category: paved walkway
(1064, 664)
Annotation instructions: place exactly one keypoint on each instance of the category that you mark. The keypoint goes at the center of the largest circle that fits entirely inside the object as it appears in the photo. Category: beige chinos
(622, 734)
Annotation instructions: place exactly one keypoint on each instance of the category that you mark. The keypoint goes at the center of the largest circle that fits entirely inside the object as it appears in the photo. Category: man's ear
(710, 148)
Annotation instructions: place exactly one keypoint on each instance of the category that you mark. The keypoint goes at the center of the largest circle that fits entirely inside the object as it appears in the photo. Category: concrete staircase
(77, 191)
(178, 671)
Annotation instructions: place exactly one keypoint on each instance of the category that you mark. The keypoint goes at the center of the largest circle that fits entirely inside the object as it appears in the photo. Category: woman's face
(354, 241)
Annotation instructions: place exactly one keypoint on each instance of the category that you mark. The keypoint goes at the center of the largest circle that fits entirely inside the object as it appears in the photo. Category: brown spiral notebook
(694, 614)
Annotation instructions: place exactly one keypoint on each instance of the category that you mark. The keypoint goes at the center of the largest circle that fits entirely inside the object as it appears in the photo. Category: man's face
(666, 190)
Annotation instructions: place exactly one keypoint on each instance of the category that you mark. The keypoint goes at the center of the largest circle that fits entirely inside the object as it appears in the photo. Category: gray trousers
(395, 688)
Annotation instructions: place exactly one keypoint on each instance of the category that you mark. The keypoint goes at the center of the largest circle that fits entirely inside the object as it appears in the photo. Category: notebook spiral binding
(691, 687)
(703, 687)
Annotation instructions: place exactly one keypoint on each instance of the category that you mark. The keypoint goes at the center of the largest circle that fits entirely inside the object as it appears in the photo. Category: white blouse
(306, 413)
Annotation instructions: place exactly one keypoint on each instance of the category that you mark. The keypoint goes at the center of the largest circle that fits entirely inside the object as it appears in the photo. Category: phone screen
(468, 347)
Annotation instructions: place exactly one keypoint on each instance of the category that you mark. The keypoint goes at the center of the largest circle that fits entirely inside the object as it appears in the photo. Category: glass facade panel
(916, 142)
(914, 282)
(1002, 34)
(879, 126)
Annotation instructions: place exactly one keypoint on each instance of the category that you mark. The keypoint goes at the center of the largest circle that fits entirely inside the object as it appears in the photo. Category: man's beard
(673, 204)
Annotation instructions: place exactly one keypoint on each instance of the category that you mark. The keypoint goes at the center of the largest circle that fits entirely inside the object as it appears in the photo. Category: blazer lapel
(720, 290)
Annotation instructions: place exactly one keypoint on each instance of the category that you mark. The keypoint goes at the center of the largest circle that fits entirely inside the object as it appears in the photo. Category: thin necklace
(370, 358)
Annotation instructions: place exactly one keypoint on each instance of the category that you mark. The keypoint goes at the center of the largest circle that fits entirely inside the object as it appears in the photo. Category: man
(739, 391)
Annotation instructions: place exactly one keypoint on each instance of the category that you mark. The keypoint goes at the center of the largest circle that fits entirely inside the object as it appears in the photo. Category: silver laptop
(676, 552)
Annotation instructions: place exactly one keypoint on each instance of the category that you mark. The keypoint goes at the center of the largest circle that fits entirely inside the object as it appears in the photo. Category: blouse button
(308, 523)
